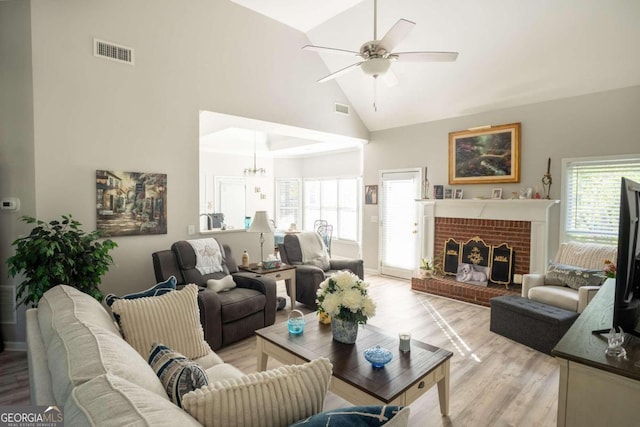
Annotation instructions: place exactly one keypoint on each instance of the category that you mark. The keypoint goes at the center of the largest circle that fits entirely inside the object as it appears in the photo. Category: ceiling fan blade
(339, 72)
(396, 34)
(322, 49)
(425, 56)
(390, 78)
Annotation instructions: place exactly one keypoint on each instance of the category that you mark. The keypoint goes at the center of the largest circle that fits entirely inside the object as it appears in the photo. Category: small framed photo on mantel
(438, 192)
(458, 194)
(496, 193)
(448, 193)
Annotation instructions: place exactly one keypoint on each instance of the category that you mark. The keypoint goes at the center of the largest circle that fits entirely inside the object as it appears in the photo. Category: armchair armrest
(307, 273)
(210, 315)
(263, 284)
(531, 281)
(356, 266)
(585, 295)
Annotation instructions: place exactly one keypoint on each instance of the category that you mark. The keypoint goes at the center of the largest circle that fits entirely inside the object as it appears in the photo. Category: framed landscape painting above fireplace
(490, 154)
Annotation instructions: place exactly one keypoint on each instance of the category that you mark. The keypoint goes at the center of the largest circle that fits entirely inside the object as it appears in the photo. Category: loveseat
(227, 316)
(573, 277)
(78, 359)
(307, 253)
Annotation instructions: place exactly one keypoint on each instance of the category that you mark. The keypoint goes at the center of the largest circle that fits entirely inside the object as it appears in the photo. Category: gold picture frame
(486, 155)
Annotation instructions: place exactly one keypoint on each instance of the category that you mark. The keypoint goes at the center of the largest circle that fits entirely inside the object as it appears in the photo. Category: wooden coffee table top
(348, 360)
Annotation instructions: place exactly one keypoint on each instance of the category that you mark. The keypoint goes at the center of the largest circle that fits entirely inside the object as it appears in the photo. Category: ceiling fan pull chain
(375, 93)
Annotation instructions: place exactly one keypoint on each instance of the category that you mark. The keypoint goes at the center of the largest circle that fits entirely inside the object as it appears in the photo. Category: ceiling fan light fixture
(375, 66)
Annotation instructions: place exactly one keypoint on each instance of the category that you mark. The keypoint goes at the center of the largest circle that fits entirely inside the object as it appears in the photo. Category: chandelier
(254, 171)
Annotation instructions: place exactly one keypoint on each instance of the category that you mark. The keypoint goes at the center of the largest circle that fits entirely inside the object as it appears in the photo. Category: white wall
(82, 113)
(598, 124)
(345, 163)
(16, 139)
(96, 114)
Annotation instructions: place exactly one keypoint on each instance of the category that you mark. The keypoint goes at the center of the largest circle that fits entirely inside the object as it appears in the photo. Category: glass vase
(344, 331)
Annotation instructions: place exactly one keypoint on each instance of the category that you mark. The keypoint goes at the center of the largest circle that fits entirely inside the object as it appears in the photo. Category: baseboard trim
(372, 271)
(15, 346)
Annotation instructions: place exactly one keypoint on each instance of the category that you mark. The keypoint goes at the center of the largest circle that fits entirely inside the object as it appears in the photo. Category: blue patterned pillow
(177, 374)
(354, 416)
(154, 291)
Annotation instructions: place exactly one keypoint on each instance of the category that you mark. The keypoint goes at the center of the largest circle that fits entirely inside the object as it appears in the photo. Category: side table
(284, 272)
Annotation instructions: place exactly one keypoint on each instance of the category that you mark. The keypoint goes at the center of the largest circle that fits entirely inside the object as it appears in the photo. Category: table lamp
(261, 224)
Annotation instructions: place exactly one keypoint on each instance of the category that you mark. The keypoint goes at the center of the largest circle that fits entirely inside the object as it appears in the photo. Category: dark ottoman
(534, 324)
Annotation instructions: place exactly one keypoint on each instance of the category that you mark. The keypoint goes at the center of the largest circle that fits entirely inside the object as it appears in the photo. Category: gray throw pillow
(572, 276)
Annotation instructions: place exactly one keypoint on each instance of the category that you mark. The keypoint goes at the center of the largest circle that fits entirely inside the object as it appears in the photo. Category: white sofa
(78, 359)
(547, 289)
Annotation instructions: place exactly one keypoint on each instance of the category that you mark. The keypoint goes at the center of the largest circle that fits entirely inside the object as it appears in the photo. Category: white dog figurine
(466, 273)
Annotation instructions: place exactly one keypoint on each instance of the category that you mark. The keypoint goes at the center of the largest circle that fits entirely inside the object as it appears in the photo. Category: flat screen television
(626, 309)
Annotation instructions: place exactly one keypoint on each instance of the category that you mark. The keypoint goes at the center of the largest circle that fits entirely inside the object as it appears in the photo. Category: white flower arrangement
(344, 296)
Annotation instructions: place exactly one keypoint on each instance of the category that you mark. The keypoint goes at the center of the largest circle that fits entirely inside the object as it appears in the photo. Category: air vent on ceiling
(112, 51)
(342, 108)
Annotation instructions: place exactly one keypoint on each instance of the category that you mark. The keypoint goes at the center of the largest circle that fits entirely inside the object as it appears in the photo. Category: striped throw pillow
(172, 319)
(178, 374)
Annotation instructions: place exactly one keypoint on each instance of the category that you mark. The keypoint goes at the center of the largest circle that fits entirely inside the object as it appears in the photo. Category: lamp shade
(261, 223)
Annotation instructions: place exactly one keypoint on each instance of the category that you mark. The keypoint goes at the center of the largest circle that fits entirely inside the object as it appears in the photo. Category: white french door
(399, 222)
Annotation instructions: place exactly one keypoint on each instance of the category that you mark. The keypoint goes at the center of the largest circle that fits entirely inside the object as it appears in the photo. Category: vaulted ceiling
(510, 52)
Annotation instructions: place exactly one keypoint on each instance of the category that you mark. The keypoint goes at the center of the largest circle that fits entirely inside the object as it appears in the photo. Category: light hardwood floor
(494, 381)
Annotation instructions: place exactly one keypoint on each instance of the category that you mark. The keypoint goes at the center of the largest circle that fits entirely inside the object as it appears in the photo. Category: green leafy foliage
(426, 264)
(59, 252)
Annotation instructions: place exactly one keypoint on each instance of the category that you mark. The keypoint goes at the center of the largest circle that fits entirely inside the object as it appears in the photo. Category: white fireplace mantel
(543, 214)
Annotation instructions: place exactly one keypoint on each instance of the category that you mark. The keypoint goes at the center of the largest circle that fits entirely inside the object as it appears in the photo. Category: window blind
(593, 198)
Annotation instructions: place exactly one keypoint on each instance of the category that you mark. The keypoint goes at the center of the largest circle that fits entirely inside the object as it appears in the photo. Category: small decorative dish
(378, 356)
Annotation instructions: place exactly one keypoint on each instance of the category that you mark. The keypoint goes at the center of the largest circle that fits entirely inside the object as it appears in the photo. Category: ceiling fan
(377, 55)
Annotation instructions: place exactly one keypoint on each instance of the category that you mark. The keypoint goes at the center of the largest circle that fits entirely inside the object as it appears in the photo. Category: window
(591, 199)
(335, 200)
(288, 202)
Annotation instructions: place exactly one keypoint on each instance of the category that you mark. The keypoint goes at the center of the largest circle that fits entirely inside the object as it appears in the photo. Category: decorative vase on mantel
(344, 331)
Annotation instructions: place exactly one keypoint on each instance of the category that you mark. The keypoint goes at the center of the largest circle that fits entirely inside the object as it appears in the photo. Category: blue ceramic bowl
(378, 356)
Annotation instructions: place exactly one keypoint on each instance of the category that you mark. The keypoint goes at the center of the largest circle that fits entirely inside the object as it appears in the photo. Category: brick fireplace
(531, 227)
(493, 231)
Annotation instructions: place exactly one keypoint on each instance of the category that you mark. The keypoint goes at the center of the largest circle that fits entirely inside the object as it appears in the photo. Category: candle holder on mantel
(546, 184)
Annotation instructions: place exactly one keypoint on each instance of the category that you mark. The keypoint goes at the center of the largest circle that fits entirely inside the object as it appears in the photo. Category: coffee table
(284, 272)
(404, 379)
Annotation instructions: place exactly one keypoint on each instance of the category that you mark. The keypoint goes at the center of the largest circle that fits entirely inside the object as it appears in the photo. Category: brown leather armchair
(227, 316)
(309, 277)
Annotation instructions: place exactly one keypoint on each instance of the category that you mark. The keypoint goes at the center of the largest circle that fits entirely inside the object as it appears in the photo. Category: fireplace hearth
(450, 288)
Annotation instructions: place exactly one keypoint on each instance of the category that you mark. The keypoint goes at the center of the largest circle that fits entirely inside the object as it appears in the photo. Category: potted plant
(426, 268)
(609, 268)
(59, 252)
(344, 297)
